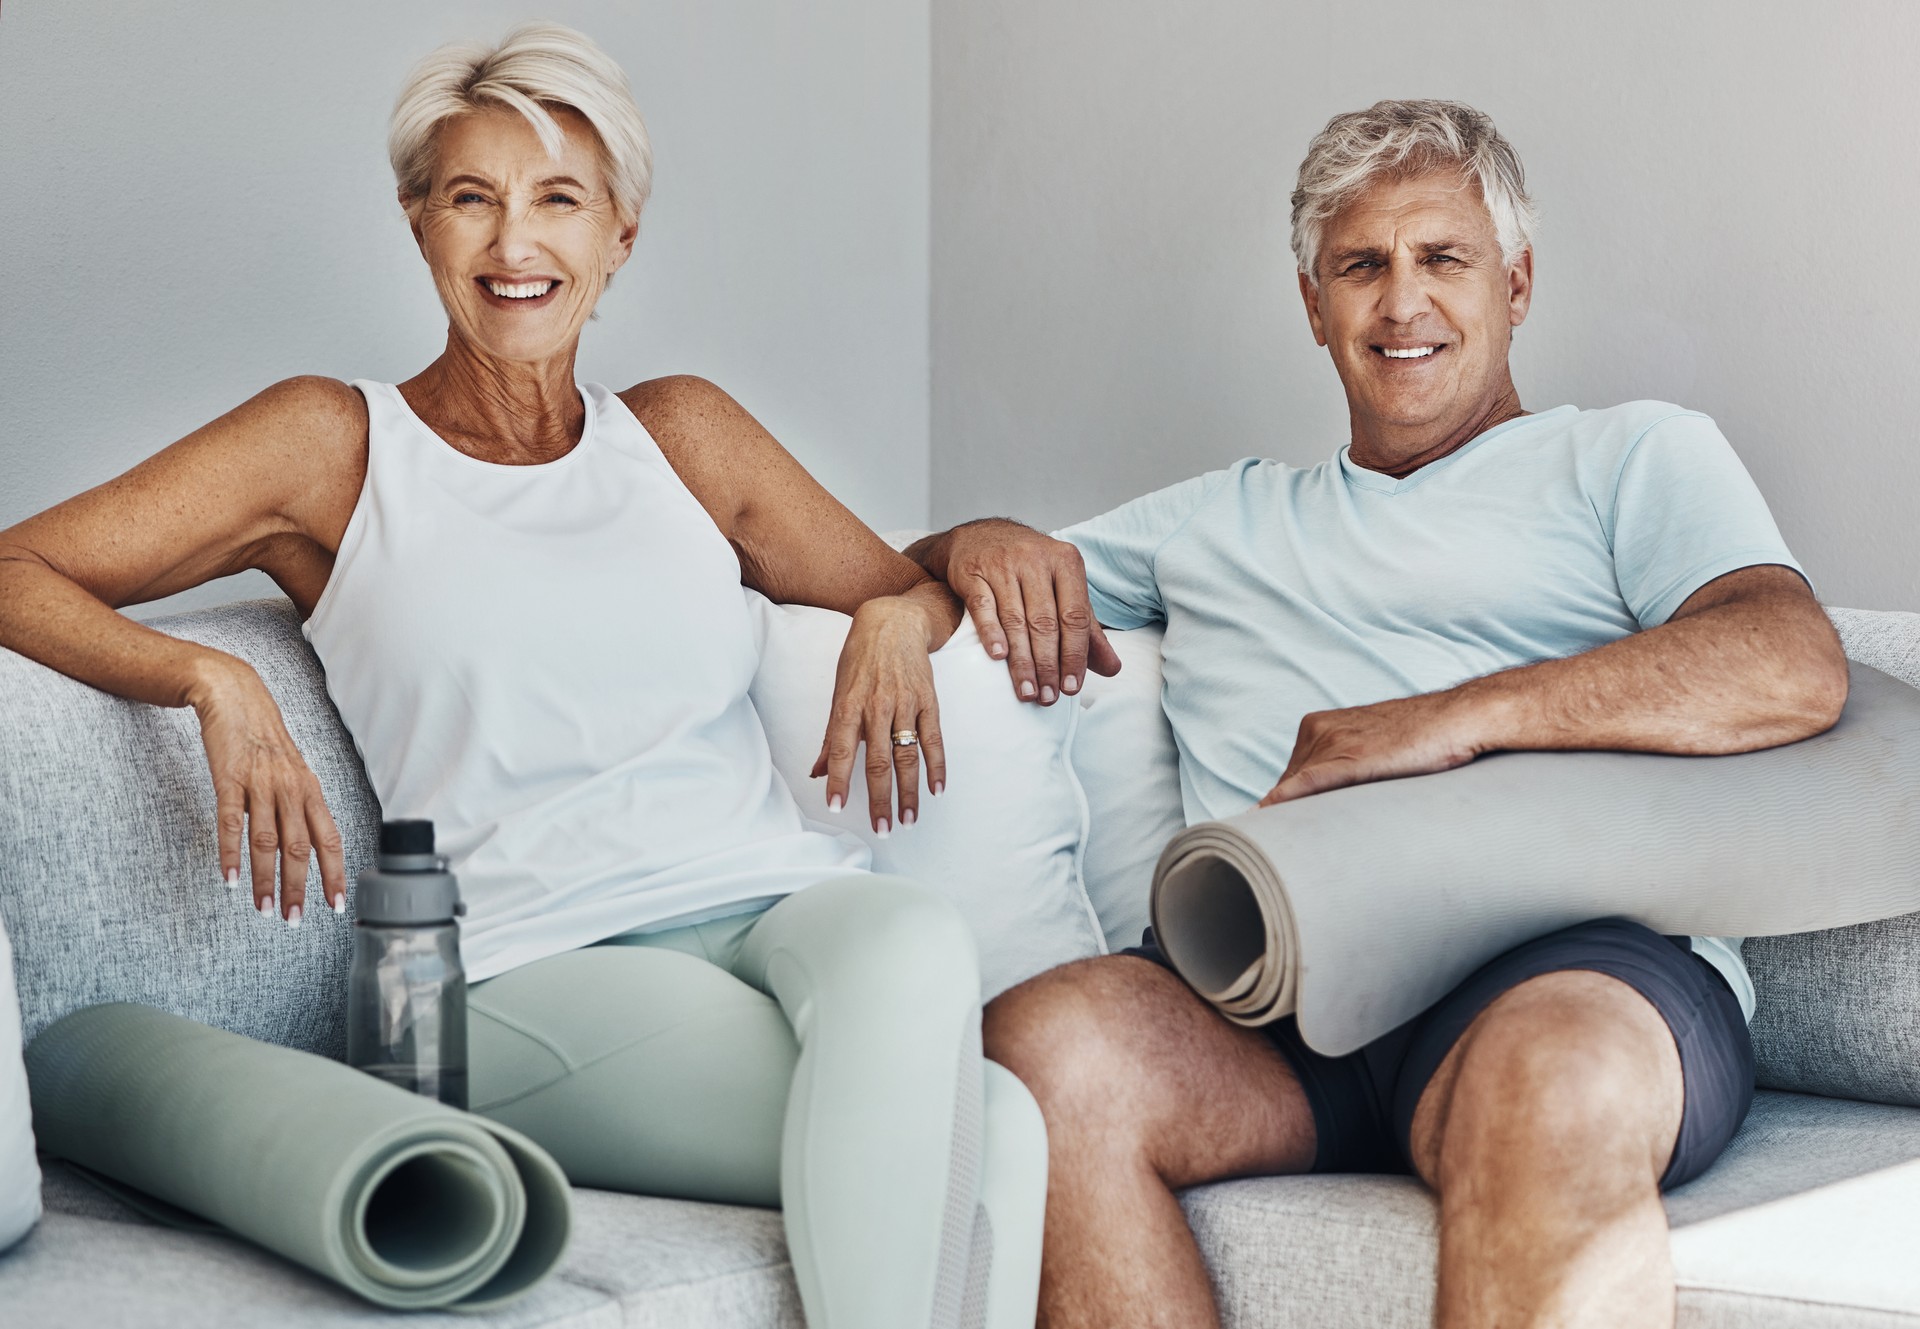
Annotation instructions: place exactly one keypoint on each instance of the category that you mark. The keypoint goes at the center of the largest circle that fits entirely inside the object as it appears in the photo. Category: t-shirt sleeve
(1684, 512)
(1118, 548)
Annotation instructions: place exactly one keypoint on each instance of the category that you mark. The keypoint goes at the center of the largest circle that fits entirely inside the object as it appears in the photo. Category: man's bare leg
(1145, 1089)
(1545, 1132)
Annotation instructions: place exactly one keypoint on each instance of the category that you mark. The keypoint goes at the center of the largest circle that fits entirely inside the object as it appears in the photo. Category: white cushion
(1004, 841)
(1130, 770)
(19, 1170)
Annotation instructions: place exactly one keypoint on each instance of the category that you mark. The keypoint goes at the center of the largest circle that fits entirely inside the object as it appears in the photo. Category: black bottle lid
(409, 837)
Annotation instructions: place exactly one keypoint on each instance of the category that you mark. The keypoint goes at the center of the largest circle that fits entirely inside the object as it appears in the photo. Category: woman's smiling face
(521, 244)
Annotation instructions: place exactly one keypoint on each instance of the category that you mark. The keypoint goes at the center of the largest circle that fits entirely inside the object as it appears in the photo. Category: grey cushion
(109, 874)
(1839, 1011)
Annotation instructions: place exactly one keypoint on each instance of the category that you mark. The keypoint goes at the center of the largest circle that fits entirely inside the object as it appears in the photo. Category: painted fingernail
(835, 803)
(938, 786)
(293, 917)
(340, 903)
(266, 904)
(1026, 689)
(1070, 684)
(882, 829)
(233, 879)
(1046, 696)
(908, 816)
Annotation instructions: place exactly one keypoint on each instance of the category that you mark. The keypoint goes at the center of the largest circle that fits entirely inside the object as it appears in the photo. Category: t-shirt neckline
(1381, 483)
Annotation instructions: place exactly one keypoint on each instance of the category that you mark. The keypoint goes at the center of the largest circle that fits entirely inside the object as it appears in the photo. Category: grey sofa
(109, 890)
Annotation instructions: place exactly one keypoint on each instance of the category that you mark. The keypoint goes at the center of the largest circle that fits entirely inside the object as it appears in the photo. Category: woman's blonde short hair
(536, 68)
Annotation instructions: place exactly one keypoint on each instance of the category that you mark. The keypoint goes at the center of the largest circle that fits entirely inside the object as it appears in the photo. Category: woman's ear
(623, 244)
(410, 205)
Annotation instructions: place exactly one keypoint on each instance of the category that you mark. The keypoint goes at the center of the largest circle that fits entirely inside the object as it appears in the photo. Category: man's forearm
(1757, 665)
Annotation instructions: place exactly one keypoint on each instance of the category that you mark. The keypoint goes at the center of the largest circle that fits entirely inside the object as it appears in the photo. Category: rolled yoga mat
(399, 1198)
(1356, 909)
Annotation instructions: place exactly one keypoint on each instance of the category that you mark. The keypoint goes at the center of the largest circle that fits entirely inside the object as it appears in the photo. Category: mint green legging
(822, 1055)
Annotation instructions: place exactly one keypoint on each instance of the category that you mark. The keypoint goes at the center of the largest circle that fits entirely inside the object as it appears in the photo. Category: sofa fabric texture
(1284, 1252)
(109, 872)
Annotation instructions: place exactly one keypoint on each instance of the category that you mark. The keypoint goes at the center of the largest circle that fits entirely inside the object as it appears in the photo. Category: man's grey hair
(536, 69)
(1398, 140)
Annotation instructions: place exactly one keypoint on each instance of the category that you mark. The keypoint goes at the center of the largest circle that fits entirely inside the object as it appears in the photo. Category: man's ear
(1311, 295)
(1520, 287)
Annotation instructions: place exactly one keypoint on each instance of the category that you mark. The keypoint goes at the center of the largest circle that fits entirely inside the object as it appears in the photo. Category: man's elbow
(1813, 690)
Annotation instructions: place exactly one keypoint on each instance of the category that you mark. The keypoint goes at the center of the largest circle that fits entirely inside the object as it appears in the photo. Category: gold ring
(905, 738)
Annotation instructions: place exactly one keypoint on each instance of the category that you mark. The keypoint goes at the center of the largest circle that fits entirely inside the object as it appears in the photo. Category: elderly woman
(527, 594)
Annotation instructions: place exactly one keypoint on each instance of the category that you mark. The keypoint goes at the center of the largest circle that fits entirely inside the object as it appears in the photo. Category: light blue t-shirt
(1286, 591)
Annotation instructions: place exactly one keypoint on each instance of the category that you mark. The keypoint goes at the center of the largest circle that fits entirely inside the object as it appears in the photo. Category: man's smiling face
(1417, 307)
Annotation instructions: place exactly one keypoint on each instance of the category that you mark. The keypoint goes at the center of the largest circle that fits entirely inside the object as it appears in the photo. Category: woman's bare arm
(269, 485)
(797, 544)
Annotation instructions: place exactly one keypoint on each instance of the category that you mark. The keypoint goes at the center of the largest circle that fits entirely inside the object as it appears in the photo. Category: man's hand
(1384, 741)
(1027, 593)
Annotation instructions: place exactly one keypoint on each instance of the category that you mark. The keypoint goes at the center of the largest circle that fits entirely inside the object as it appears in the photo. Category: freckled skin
(1410, 262)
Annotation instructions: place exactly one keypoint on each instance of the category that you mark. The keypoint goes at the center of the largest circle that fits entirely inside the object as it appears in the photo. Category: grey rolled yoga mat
(398, 1198)
(1356, 909)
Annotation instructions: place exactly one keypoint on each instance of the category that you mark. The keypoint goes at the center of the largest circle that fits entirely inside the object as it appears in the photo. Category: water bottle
(406, 992)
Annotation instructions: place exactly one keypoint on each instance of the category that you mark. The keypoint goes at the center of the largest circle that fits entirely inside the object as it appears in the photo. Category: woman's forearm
(47, 617)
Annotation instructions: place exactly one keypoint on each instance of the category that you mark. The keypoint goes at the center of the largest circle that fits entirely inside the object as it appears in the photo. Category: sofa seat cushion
(1807, 1220)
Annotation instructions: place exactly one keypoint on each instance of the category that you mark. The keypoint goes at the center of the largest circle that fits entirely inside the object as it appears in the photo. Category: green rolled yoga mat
(1356, 909)
(399, 1198)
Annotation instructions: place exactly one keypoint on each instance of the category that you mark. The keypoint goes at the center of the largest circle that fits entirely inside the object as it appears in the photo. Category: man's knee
(1572, 1072)
(1086, 1040)
(1057, 1033)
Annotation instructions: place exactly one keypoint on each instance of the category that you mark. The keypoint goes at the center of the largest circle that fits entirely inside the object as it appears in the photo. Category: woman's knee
(884, 938)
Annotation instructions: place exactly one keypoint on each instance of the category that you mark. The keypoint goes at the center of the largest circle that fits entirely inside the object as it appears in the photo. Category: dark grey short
(1363, 1103)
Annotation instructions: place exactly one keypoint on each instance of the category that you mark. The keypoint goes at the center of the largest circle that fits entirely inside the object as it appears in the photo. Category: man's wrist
(1488, 715)
(930, 552)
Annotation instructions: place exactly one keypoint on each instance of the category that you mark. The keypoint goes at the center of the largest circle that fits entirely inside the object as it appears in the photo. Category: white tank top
(552, 663)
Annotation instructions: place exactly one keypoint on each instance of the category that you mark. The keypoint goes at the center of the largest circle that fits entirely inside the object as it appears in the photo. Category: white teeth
(520, 291)
(1410, 353)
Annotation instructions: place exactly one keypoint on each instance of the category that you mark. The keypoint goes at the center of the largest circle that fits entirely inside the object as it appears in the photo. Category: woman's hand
(261, 780)
(885, 684)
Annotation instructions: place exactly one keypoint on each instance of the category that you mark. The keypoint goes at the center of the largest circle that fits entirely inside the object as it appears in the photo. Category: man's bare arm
(1749, 661)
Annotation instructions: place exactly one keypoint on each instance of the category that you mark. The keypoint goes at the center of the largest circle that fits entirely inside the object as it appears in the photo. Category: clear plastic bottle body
(407, 1008)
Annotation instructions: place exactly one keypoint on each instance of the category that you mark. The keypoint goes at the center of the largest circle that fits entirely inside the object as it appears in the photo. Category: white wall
(195, 202)
(1731, 202)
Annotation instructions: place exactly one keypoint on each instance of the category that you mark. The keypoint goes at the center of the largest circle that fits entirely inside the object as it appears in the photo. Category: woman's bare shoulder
(709, 439)
(686, 413)
(321, 410)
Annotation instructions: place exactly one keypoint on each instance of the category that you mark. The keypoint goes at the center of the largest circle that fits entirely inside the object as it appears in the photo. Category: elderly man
(1463, 577)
